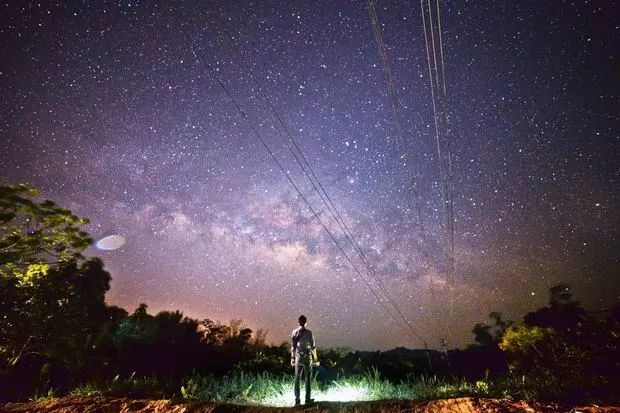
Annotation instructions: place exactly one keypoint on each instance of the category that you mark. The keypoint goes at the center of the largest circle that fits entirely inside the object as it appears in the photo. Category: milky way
(109, 110)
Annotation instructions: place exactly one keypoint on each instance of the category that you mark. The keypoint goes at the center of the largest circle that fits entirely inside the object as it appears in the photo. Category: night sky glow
(107, 110)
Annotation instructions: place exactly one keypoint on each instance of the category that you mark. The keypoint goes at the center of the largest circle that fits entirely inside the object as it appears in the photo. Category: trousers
(303, 367)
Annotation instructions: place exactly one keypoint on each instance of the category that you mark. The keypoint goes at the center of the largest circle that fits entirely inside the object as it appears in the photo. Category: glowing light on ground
(335, 393)
(344, 393)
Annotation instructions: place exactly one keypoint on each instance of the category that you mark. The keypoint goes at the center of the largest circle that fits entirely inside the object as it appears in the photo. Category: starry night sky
(109, 111)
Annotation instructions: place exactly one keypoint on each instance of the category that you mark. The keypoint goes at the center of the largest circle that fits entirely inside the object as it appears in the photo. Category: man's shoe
(309, 401)
(297, 402)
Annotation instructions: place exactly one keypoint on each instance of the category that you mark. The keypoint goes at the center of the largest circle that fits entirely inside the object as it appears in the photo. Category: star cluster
(109, 109)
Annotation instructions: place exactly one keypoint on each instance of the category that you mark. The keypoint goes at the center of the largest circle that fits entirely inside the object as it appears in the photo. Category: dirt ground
(100, 404)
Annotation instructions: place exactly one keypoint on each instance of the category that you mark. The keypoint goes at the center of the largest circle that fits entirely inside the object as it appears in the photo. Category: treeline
(561, 350)
(57, 332)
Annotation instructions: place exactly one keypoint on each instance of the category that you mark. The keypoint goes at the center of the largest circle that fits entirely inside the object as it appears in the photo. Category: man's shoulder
(300, 330)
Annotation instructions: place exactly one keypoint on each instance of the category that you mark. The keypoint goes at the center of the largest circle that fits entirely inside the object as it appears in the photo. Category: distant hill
(405, 352)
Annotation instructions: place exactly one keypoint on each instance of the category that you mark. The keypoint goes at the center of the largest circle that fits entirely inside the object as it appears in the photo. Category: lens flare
(111, 242)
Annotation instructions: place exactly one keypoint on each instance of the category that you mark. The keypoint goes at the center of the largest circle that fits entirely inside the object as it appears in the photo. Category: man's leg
(308, 369)
(298, 370)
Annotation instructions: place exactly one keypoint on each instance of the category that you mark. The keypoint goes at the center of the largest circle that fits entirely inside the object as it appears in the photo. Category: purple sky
(107, 111)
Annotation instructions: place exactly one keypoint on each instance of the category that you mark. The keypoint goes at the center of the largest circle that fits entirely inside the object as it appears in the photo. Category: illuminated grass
(268, 390)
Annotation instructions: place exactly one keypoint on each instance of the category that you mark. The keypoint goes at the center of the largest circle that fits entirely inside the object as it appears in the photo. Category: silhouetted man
(303, 355)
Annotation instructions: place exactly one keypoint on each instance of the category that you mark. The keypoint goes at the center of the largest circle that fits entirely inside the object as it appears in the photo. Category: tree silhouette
(563, 312)
(50, 324)
(51, 300)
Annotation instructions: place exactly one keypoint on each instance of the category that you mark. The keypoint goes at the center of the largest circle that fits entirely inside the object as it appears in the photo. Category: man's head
(302, 320)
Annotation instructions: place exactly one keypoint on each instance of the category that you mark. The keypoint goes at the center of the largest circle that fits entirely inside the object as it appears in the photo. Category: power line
(445, 171)
(430, 78)
(450, 183)
(393, 97)
(404, 144)
(305, 166)
(445, 160)
(443, 72)
(440, 121)
(448, 141)
(333, 210)
(280, 166)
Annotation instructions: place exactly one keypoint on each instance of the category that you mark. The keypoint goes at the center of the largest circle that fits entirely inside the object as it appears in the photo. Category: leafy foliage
(574, 353)
(168, 337)
(51, 324)
(52, 301)
(33, 232)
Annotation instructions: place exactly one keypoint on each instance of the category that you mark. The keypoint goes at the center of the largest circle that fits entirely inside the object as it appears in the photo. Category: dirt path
(100, 404)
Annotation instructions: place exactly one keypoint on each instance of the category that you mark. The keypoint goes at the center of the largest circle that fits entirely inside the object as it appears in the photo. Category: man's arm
(293, 348)
(315, 357)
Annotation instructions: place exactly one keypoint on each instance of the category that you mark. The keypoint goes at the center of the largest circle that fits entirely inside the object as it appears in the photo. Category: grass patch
(265, 389)
(41, 397)
(270, 390)
(135, 387)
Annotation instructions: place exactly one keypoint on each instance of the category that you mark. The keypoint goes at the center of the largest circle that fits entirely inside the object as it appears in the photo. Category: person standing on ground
(303, 356)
